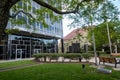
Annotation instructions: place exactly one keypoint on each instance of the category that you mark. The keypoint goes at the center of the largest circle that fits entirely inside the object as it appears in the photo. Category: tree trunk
(108, 32)
(94, 47)
(5, 6)
(4, 15)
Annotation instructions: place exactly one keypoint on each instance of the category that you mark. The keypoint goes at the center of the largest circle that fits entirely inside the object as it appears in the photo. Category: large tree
(69, 6)
(87, 18)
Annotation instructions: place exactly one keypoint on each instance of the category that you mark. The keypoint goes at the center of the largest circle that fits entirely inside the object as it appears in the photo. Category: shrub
(87, 56)
(56, 55)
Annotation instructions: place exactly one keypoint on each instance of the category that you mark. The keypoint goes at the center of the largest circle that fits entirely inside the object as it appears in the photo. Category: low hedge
(68, 55)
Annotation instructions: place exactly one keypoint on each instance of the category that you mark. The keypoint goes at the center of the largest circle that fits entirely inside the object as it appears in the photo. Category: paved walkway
(3, 61)
(18, 67)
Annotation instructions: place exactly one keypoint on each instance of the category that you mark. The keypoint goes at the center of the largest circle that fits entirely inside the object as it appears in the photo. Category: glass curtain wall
(19, 46)
(25, 47)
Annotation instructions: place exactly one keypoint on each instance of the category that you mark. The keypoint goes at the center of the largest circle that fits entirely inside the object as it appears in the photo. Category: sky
(67, 30)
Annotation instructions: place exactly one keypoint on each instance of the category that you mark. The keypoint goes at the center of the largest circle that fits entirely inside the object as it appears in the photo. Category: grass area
(58, 71)
(16, 63)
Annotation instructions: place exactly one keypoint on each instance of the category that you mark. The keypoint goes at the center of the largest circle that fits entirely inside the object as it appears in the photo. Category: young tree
(85, 18)
(94, 14)
(101, 34)
(109, 12)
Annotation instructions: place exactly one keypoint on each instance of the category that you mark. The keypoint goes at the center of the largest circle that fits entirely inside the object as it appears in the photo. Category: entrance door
(18, 53)
(37, 50)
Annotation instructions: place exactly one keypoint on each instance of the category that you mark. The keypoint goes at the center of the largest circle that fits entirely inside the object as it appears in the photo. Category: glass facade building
(26, 42)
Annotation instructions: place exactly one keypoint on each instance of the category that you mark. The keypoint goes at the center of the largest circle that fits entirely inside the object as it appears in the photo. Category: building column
(62, 45)
(30, 46)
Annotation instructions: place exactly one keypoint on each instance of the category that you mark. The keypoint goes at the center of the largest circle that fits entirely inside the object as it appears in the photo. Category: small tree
(109, 13)
(100, 30)
(87, 15)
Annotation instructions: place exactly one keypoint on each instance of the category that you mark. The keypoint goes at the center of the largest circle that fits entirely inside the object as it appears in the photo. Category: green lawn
(58, 71)
(16, 63)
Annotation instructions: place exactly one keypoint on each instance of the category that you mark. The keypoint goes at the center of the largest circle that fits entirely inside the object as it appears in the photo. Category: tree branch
(21, 11)
(44, 4)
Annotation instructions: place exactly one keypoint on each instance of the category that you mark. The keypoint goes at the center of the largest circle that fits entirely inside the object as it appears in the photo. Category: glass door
(37, 50)
(18, 53)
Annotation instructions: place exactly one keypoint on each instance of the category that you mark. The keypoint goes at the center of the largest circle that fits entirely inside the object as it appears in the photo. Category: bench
(109, 60)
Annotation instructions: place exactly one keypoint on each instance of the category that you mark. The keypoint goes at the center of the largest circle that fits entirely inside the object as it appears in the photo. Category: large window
(23, 47)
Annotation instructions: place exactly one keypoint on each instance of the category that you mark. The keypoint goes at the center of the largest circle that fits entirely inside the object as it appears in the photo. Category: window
(20, 3)
(33, 9)
(15, 42)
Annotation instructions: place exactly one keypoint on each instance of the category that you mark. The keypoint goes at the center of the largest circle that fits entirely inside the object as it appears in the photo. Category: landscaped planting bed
(71, 56)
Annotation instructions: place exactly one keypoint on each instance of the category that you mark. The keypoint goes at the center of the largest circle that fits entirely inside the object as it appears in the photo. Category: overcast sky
(66, 29)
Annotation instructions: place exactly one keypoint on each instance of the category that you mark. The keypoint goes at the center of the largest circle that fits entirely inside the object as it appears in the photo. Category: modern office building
(26, 42)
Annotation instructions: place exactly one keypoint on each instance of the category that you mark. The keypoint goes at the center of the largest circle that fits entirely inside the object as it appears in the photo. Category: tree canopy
(101, 36)
(49, 6)
(97, 14)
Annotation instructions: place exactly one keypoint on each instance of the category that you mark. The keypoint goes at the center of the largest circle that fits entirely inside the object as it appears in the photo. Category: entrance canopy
(24, 33)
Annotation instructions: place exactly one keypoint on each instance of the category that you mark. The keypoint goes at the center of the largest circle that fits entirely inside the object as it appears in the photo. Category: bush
(87, 56)
(56, 55)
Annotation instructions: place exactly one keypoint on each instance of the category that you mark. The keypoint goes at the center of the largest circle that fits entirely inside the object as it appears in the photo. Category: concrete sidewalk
(3, 61)
(106, 64)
